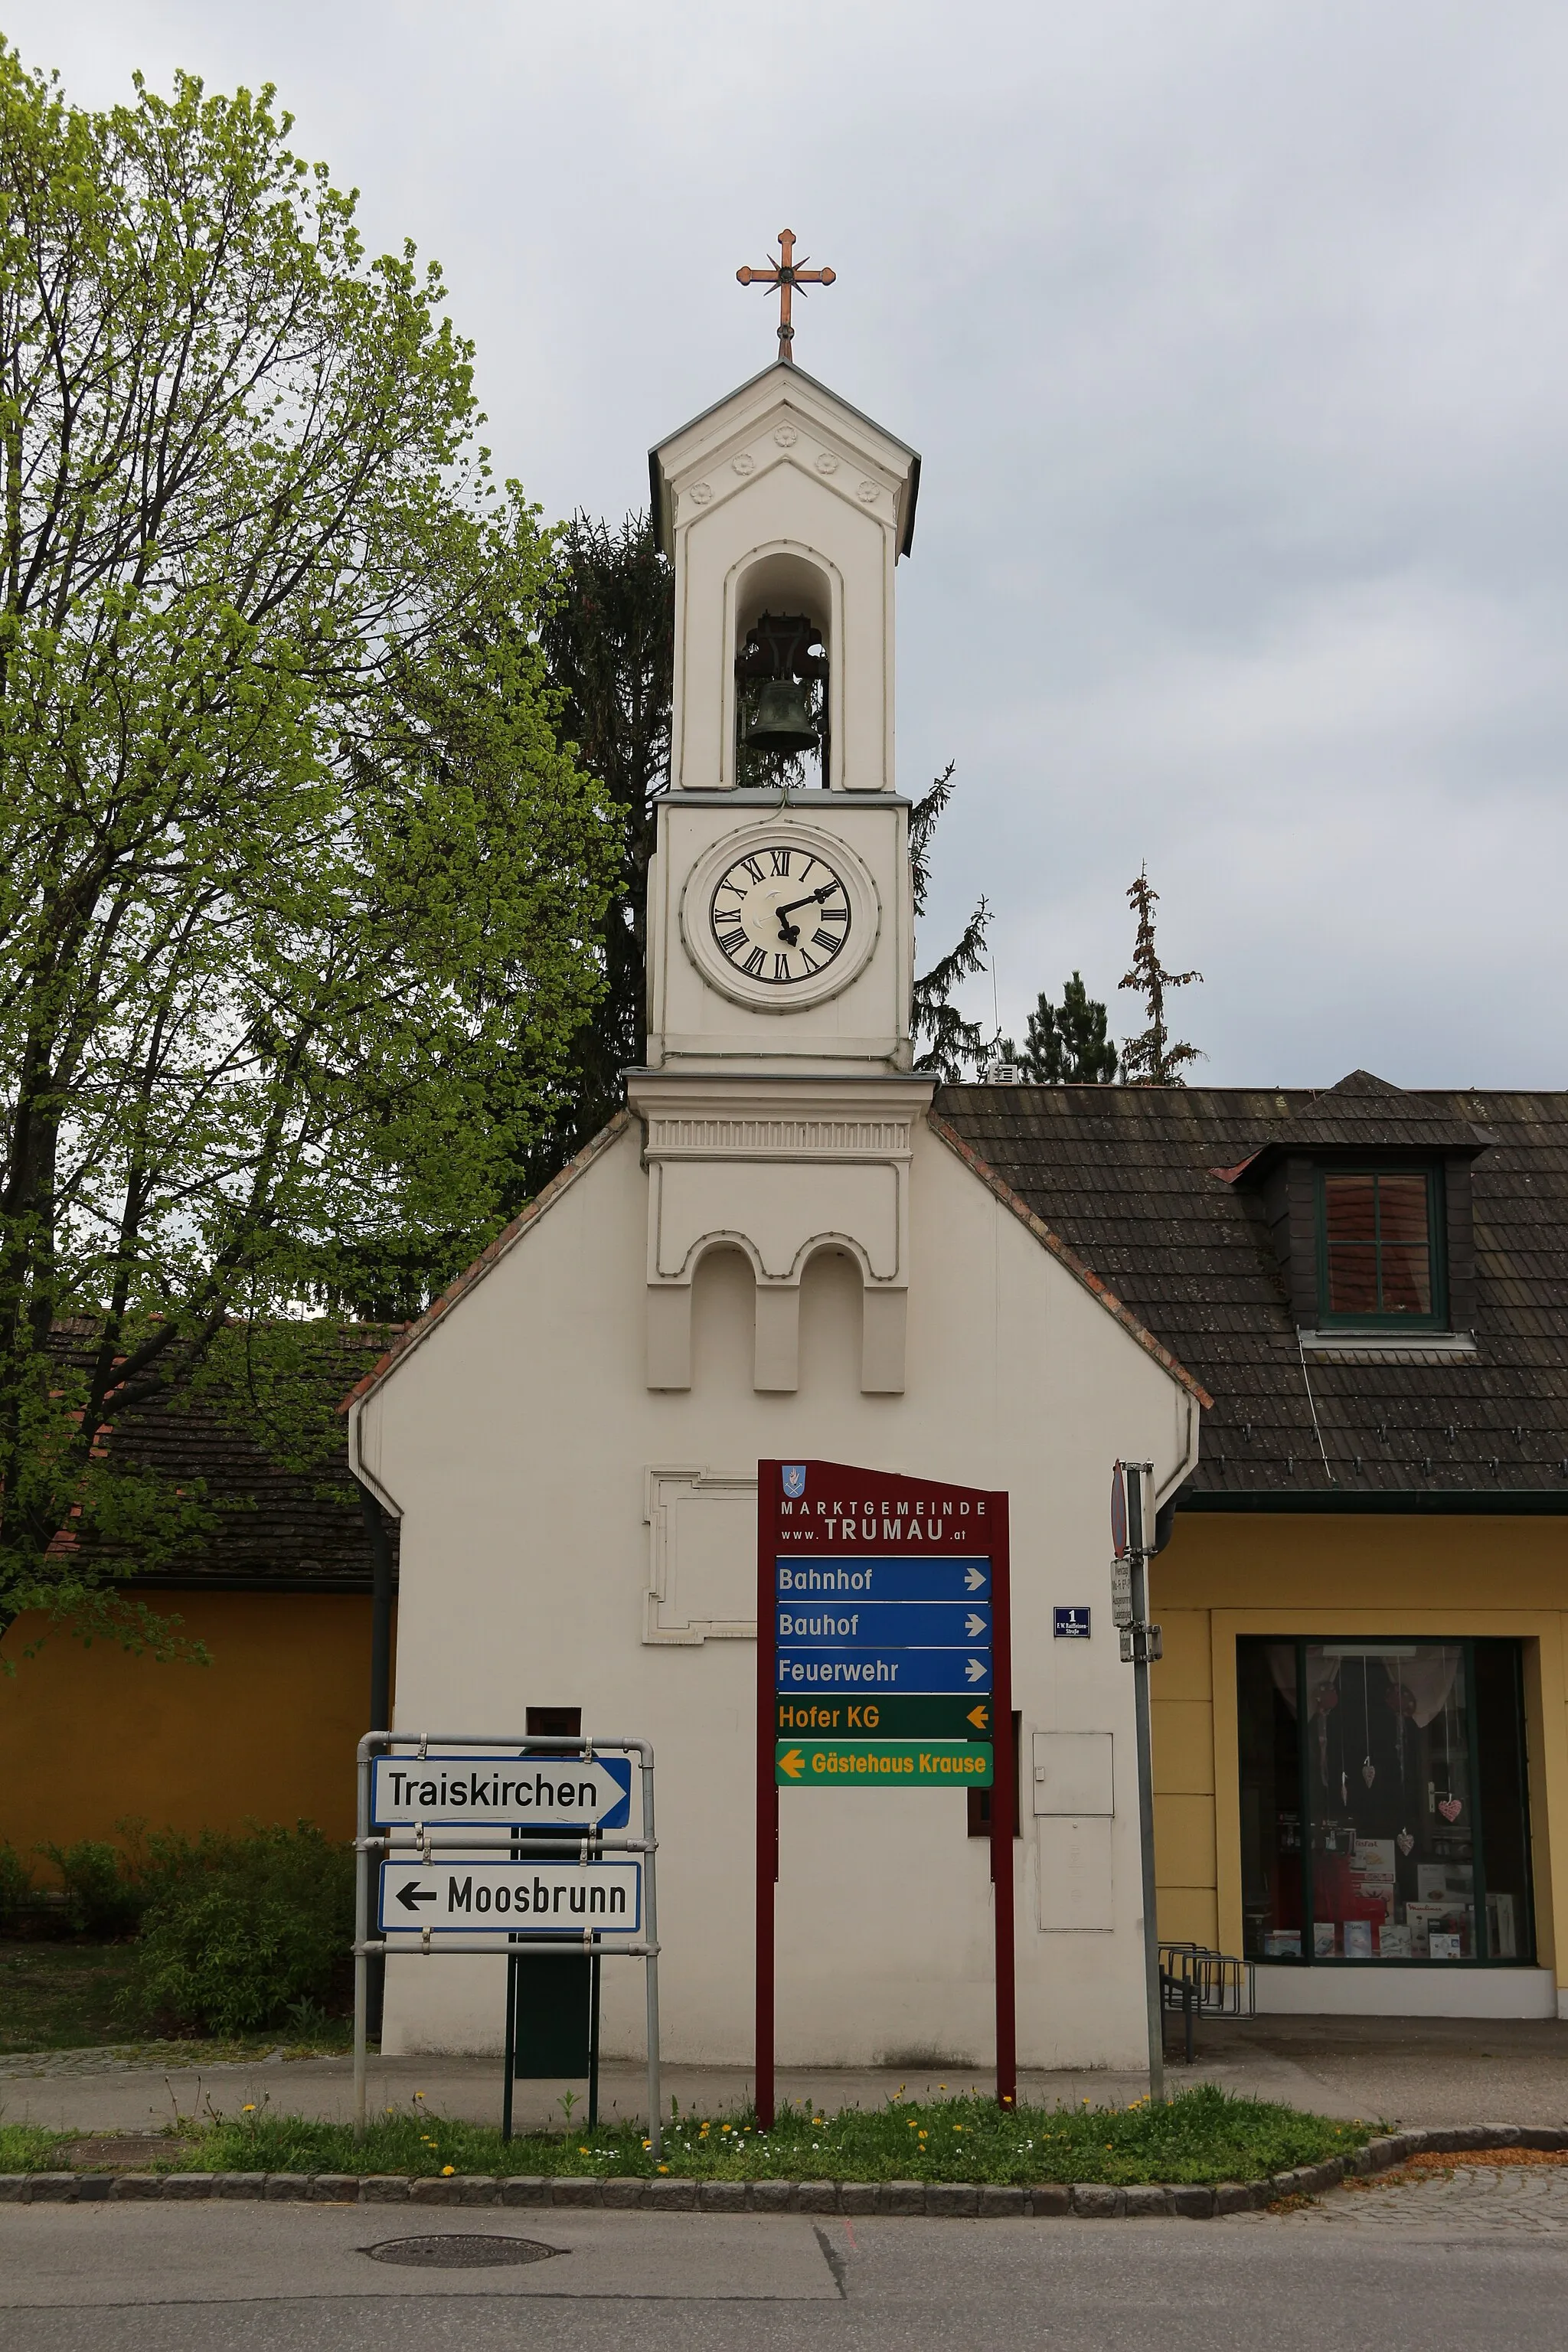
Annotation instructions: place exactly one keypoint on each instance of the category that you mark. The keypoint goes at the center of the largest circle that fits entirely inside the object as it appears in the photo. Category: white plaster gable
(747, 423)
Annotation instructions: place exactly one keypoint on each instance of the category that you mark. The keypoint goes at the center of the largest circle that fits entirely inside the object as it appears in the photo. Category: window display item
(1384, 1801)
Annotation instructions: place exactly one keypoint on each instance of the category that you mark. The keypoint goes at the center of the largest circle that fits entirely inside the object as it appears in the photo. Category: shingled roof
(1141, 1183)
(277, 1528)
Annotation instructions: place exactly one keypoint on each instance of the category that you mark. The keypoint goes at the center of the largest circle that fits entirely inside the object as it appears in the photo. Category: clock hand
(812, 899)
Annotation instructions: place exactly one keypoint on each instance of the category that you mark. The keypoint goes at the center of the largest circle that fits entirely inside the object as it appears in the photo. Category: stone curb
(1085, 2201)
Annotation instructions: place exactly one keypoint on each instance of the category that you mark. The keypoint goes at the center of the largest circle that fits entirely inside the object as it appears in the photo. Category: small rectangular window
(1379, 1246)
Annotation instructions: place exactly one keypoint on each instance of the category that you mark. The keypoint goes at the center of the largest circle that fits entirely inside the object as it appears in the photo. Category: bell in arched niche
(781, 701)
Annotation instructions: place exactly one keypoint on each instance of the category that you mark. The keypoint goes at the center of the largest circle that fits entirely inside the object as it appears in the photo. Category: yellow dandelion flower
(447, 2170)
(664, 2167)
(249, 2108)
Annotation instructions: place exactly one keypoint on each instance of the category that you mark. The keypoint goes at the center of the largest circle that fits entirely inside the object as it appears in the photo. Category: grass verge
(24, 2148)
(1202, 2134)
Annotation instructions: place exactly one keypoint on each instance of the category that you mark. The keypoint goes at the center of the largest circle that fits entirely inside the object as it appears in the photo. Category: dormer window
(1380, 1254)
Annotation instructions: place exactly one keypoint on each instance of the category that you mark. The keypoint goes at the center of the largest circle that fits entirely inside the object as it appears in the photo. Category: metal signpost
(533, 1859)
(1132, 1542)
(883, 1660)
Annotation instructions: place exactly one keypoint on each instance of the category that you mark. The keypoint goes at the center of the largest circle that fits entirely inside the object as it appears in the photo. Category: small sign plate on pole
(518, 1898)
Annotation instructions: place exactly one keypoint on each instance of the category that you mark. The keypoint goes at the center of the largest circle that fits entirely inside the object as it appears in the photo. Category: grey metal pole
(650, 1936)
(1146, 1826)
(362, 1929)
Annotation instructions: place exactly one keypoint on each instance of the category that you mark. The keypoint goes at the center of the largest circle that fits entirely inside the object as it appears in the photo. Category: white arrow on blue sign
(512, 1898)
(534, 1791)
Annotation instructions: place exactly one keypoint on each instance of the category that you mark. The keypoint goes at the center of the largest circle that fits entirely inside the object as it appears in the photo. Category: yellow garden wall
(268, 1731)
(1222, 1575)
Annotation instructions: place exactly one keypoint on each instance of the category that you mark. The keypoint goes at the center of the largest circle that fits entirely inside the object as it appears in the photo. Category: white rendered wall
(516, 1437)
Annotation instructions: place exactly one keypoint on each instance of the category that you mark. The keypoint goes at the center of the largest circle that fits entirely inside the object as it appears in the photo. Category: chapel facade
(777, 1252)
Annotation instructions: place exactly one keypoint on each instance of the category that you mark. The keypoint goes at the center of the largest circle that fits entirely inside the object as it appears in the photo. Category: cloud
(1233, 338)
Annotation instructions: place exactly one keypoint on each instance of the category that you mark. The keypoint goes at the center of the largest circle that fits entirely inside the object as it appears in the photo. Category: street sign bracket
(461, 1839)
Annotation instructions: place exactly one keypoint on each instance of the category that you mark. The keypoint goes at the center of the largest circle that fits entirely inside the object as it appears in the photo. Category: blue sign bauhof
(883, 1624)
(804, 1667)
(849, 1577)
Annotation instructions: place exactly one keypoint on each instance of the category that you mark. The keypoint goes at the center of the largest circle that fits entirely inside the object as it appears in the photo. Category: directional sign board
(481, 1897)
(883, 1764)
(882, 1662)
(536, 1792)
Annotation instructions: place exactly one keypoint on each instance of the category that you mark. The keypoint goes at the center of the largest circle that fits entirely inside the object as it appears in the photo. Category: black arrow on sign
(413, 1893)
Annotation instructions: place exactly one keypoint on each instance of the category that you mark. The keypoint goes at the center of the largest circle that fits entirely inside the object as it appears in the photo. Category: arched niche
(786, 578)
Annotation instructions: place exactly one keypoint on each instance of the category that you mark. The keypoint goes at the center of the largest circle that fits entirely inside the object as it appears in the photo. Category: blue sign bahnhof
(855, 1578)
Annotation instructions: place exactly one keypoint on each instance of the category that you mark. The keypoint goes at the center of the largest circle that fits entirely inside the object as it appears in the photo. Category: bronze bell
(781, 721)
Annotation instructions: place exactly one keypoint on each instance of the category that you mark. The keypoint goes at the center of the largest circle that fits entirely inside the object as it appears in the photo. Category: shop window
(1383, 1806)
(1379, 1246)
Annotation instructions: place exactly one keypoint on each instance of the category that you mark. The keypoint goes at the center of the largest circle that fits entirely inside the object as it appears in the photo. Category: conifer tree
(1153, 1058)
(1067, 1044)
(949, 1039)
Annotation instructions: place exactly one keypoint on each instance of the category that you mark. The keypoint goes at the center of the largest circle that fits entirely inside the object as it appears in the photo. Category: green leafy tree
(950, 1042)
(1153, 1058)
(296, 880)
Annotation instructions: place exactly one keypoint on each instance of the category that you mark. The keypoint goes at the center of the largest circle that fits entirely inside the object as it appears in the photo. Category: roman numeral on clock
(828, 942)
(732, 941)
(780, 860)
(754, 963)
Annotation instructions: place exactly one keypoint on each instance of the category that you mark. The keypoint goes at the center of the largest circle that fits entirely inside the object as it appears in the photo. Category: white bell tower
(779, 1095)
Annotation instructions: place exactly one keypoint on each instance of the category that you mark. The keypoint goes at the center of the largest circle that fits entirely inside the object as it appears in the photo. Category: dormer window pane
(1377, 1237)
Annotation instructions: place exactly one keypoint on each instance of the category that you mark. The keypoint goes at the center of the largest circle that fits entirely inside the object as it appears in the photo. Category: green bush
(238, 1931)
(102, 1894)
(16, 1882)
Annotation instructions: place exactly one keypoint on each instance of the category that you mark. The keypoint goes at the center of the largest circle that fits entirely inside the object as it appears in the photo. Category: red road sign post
(882, 1553)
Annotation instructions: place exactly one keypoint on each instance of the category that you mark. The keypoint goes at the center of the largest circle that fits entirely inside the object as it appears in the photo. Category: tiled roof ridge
(490, 1256)
(1075, 1265)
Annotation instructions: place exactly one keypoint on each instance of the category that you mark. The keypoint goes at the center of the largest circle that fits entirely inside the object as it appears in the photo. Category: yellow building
(1360, 1742)
(284, 1602)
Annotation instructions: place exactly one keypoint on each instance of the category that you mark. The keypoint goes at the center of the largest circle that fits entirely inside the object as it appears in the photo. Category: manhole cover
(454, 2251)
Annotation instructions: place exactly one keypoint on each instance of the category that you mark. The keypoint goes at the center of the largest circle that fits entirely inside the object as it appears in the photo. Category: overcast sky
(1234, 335)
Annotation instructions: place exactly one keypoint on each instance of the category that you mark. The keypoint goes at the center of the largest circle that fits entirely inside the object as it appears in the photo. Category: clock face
(780, 914)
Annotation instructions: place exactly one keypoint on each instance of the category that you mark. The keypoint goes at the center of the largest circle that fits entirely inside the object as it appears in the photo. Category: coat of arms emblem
(795, 1480)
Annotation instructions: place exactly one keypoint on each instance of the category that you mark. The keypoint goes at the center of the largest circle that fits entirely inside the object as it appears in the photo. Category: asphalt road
(1477, 2260)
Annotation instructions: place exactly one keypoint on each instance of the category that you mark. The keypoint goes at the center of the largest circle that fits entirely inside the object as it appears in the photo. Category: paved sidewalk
(1444, 2071)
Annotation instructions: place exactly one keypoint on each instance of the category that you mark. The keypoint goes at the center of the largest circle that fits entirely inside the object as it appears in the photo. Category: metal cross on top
(786, 275)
